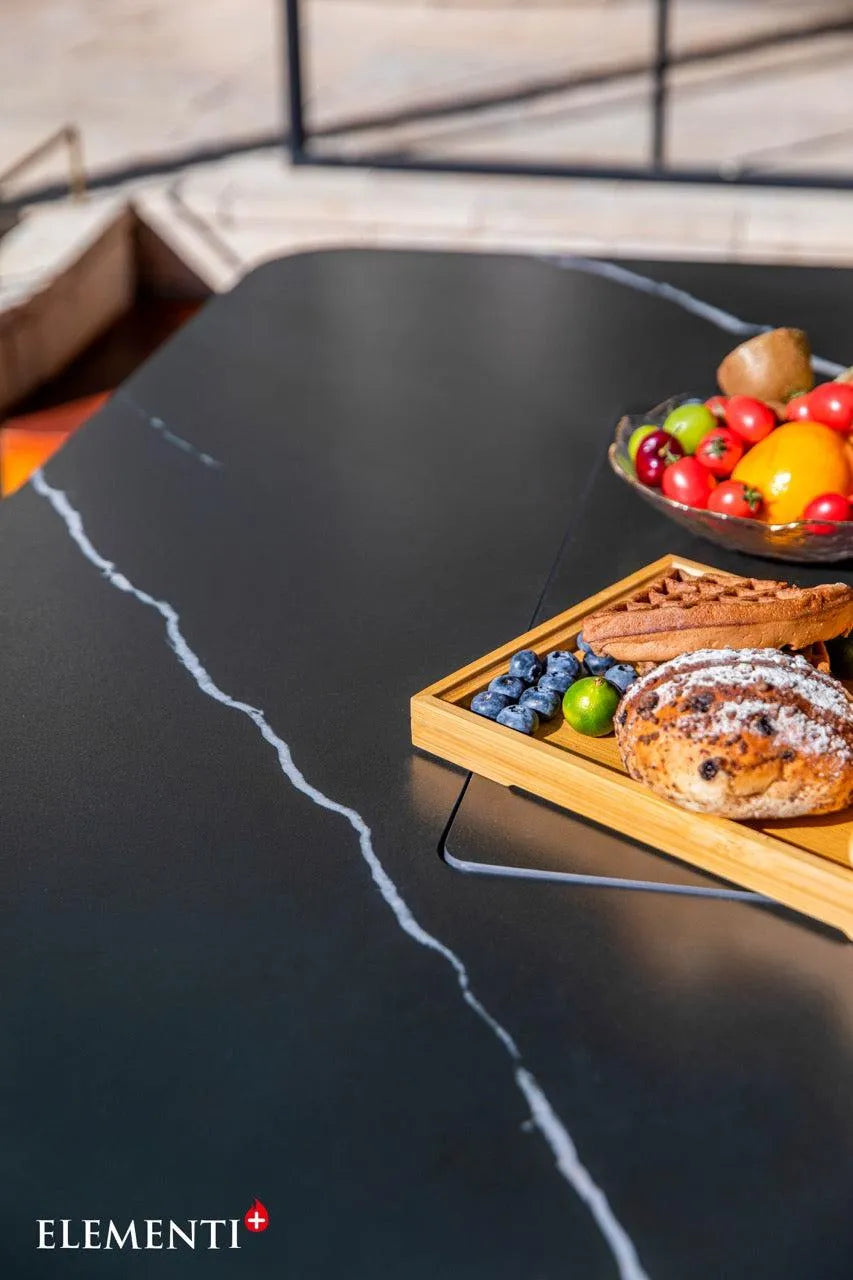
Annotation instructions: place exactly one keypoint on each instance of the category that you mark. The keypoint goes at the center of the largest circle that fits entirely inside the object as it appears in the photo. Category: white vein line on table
(180, 443)
(681, 298)
(542, 1114)
(157, 424)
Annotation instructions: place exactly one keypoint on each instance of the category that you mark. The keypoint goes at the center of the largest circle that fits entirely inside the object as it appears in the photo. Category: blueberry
(582, 644)
(597, 663)
(555, 682)
(562, 660)
(521, 718)
(542, 701)
(527, 665)
(489, 704)
(620, 676)
(511, 687)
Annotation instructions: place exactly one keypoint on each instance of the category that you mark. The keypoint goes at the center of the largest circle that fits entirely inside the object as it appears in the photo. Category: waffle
(681, 612)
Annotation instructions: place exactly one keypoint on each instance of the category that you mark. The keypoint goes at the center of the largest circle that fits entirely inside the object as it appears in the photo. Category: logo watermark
(150, 1233)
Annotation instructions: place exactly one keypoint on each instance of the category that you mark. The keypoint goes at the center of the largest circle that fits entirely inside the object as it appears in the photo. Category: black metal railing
(301, 139)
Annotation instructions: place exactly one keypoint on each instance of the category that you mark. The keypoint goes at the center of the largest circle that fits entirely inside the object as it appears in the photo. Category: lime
(689, 423)
(589, 705)
(637, 437)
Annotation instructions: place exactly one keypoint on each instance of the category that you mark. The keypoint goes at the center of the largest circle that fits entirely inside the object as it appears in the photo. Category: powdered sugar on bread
(740, 732)
(768, 671)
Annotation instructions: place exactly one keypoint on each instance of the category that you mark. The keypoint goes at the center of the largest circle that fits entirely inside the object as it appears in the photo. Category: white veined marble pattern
(542, 1115)
(687, 301)
(157, 424)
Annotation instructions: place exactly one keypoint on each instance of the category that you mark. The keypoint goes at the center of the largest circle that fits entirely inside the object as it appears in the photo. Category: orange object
(22, 452)
(794, 464)
(26, 442)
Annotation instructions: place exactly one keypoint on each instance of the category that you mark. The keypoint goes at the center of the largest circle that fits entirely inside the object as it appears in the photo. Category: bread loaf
(744, 733)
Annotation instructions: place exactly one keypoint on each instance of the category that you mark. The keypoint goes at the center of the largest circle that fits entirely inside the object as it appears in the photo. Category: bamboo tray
(804, 863)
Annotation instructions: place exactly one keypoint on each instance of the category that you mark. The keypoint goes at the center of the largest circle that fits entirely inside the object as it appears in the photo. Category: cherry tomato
(751, 419)
(799, 409)
(734, 498)
(689, 482)
(654, 455)
(720, 451)
(829, 506)
(718, 405)
(832, 404)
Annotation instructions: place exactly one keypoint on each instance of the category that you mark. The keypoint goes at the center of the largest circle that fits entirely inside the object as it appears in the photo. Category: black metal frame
(657, 170)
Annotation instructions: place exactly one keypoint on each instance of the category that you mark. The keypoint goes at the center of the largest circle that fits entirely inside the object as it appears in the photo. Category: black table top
(236, 964)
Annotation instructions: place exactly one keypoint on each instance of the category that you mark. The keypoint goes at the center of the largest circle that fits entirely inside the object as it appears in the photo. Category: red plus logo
(256, 1219)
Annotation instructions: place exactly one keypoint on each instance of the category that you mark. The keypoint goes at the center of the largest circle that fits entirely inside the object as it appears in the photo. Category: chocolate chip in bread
(744, 733)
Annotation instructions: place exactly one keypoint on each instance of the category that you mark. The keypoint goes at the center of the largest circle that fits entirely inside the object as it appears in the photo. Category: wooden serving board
(805, 863)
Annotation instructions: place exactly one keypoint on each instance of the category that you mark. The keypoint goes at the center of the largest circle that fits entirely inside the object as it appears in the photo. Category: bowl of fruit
(764, 467)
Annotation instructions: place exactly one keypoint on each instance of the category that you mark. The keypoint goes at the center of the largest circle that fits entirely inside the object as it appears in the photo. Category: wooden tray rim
(739, 853)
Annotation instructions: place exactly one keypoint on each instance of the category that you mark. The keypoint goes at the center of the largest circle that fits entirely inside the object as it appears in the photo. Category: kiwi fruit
(773, 366)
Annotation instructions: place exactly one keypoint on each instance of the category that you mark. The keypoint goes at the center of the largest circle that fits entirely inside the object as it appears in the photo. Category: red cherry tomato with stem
(654, 455)
(751, 419)
(832, 404)
(828, 506)
(720, 451)
(689, 482)
(734, 498)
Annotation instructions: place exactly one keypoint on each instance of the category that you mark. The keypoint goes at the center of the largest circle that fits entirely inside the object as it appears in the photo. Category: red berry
(832, 404)
(689, 482)
(829, 506)
(654, 455)
(720, 451)
(751, 419)
(799, 409)
(718, 405)
(734, 498)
